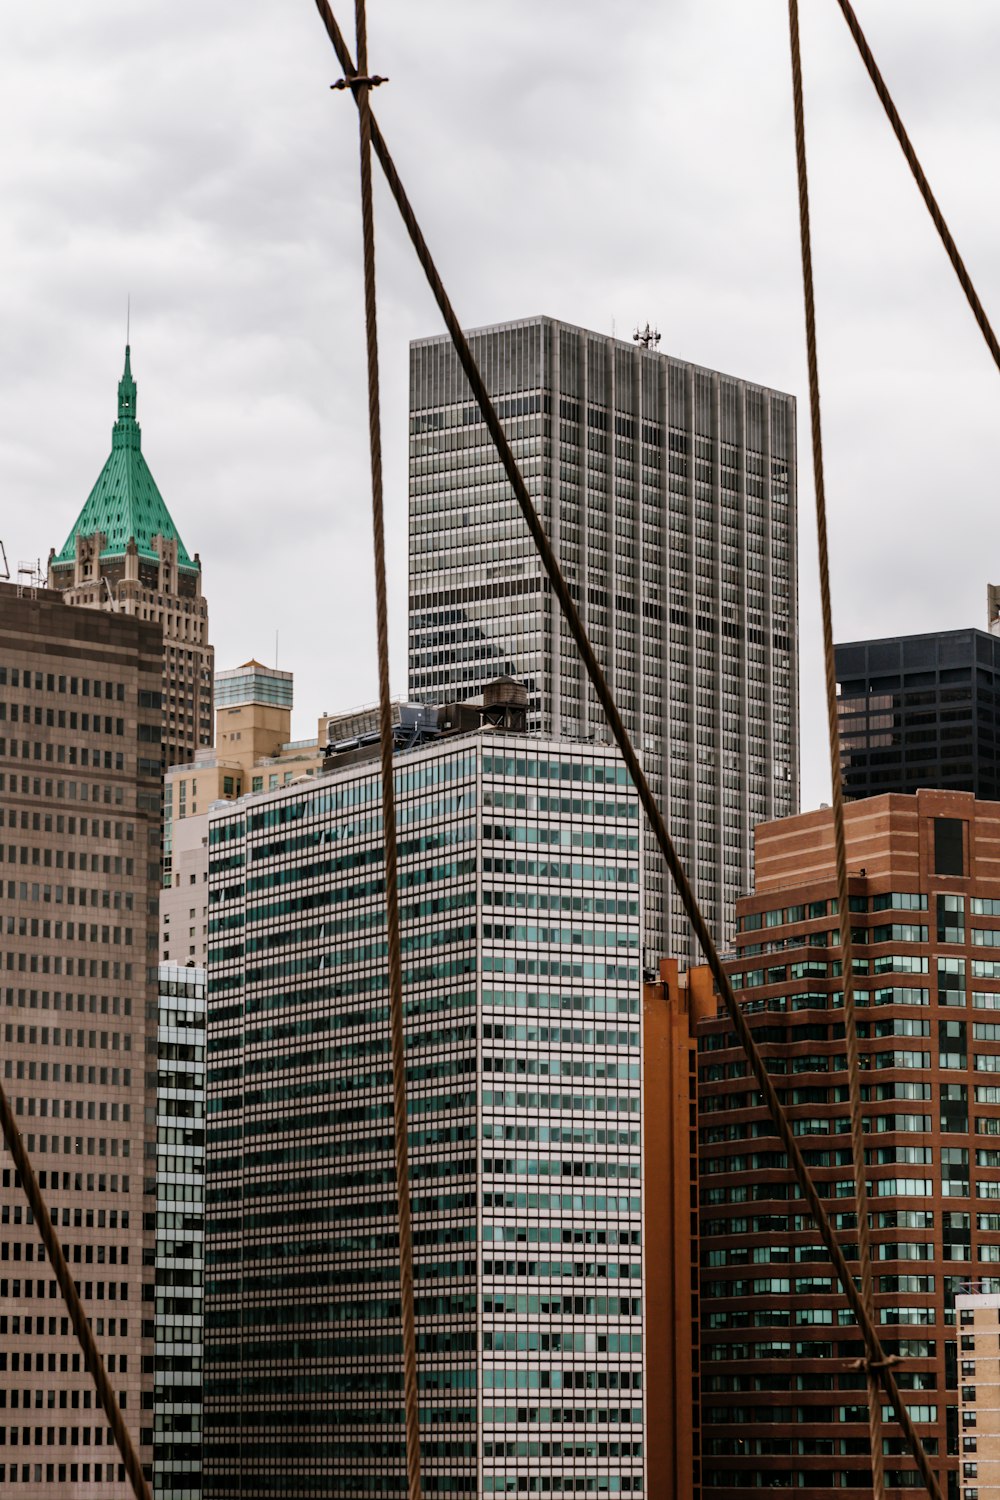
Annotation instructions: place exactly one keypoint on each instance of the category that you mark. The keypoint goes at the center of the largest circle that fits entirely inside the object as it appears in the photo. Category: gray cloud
(600, 162)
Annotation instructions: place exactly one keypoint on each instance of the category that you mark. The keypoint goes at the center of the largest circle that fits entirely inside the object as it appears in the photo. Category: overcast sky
(606, 163)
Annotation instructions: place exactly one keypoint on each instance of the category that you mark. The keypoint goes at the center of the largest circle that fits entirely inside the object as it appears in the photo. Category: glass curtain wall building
(180, 1218)
(669, 494)
(920, 711)
(520, 890)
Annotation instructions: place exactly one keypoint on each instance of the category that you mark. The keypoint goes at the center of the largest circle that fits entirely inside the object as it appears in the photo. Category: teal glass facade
(253, 683)
(520, 895)
(180, 1222)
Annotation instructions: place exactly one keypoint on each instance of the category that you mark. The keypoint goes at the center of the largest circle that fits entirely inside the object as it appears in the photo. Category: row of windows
(809, 911)
(599, 1103)
(555, 1269)
(59, 1473)
(521, 1416)
(555, 1305)
(40, 1360)
(74, 755)
(115, 1291)
(530, 1166)
(94, 1109)
(78, 1145)
(85, 686)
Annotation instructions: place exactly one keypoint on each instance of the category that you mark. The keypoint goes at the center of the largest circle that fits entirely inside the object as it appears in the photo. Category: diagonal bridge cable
(876, 1356)
(920, 178)
(81, 1324)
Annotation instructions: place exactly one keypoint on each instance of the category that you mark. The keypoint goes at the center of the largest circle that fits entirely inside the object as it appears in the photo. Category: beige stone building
(125, 555)
(979, 1389)
(253, 752)
(80, 733)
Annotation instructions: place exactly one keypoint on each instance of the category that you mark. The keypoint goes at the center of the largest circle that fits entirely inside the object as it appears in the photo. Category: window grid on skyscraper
(668, 492)
(520, 902)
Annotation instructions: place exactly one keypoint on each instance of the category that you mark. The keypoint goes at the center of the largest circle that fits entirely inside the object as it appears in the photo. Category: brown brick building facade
(782, 1406)
(80, 729)
(672, 1005)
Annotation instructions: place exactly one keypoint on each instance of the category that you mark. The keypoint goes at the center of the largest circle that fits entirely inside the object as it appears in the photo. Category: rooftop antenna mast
(647, 338)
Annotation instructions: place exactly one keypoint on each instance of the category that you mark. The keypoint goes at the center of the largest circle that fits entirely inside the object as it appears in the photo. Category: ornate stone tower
(125, 555)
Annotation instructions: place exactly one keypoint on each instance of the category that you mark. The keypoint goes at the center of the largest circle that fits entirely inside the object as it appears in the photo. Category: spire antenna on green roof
(126, 390)
(125, 503)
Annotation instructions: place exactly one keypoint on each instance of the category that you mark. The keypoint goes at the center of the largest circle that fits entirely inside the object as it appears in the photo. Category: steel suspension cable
(920, 178)
(840, 840)
(875, 1352)
(360, 87)
(92, 1360)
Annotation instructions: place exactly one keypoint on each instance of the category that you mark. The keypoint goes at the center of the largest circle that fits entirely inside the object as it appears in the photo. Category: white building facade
(180, 1232)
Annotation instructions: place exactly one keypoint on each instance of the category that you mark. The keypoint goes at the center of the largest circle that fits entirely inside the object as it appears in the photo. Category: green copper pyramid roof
(125, 502)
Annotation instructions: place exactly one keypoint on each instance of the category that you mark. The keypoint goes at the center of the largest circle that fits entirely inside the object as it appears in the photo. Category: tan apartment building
(80, 735)
(979, 1388)
(253, 752)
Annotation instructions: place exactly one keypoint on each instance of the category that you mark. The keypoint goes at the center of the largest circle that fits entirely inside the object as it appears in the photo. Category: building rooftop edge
(865, 806)
(540, 318)
(250, 667)
(916, 635)
(442, 745)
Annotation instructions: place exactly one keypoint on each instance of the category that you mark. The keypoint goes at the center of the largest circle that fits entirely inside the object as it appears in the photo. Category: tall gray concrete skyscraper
(669, 493)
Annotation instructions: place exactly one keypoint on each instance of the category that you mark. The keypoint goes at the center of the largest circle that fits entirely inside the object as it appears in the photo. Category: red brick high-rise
(783, 1405)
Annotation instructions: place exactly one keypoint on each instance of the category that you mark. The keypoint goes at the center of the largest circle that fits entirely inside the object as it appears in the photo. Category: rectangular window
(949, 846)
(954, 1108)
(952, 1044)
(951, 919)
(951, 981)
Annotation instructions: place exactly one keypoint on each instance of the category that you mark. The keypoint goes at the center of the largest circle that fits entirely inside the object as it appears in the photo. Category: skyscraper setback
(669, 494)
(79, 866)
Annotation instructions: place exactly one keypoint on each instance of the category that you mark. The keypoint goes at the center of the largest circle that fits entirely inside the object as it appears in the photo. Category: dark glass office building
(920, 711)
